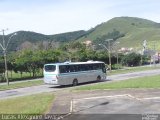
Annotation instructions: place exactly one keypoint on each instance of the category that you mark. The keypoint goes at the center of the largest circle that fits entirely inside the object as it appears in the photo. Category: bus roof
(72, 63)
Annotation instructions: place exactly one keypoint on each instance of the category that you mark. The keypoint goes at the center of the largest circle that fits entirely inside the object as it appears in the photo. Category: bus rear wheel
(75, 82)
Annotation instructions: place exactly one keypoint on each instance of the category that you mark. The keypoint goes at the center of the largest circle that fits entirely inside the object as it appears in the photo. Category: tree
(2, 70)
(26, 61)
(18, 63)
(131, 59)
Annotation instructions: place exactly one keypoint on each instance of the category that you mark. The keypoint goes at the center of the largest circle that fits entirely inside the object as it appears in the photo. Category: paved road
(25, 91)
(49, 88)
(134, 75)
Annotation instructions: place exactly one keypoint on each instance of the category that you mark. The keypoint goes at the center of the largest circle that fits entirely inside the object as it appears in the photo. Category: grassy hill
(135, 30)
(33, 37)
(129, 31)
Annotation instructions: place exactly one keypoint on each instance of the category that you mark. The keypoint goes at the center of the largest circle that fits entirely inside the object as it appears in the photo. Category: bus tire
(99, 78)
(75, 82)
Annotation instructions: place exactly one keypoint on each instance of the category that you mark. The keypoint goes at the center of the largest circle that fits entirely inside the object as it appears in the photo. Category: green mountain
(129, 31)
(33, 38)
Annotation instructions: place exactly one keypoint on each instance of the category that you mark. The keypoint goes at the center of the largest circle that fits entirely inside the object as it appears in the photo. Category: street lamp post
(154, 48)
(4, 48)
(109, 53)
(115, 44)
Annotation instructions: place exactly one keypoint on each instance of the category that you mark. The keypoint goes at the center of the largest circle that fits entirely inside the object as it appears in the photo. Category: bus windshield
(50, 68)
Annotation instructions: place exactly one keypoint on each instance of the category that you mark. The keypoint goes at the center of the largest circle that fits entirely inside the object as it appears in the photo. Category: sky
(59, 16)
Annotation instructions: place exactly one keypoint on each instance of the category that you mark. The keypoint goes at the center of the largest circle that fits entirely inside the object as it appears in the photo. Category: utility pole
(116, 47)
(154, 59)
(109, 51)
(5, 56)
(4, 48)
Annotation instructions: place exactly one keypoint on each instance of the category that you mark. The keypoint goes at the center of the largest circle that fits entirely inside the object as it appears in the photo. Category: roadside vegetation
(142, 82)
(28, 63)
(32, 104)
(125, 70)
(21, 84)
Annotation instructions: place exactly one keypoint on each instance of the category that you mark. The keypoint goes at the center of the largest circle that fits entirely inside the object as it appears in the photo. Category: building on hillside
(88, 43)
(125, 50)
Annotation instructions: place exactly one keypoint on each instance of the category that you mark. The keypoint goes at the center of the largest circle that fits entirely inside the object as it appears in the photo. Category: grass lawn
(18, 75)
(144, 82)
(13, 76)
(132, 69)
(33, 104)
(21, 84)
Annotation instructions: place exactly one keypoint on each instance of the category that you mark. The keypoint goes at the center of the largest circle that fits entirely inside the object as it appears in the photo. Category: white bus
(74, 72)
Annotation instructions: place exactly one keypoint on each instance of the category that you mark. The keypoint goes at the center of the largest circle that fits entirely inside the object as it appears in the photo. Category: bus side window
(99, 66)
(67, 68)
(76, 68)
(79, 68)
(82, 67)
(86, 67)
(62, 69)
(72, 68)
(90, 66)
(96, 67)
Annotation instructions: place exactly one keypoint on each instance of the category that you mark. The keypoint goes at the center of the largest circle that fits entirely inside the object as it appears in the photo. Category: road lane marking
(151, 98)
(112, 96)
(71, 106)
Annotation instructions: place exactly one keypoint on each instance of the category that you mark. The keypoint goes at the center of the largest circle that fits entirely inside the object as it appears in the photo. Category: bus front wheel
(75, 82)
(99, 78)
